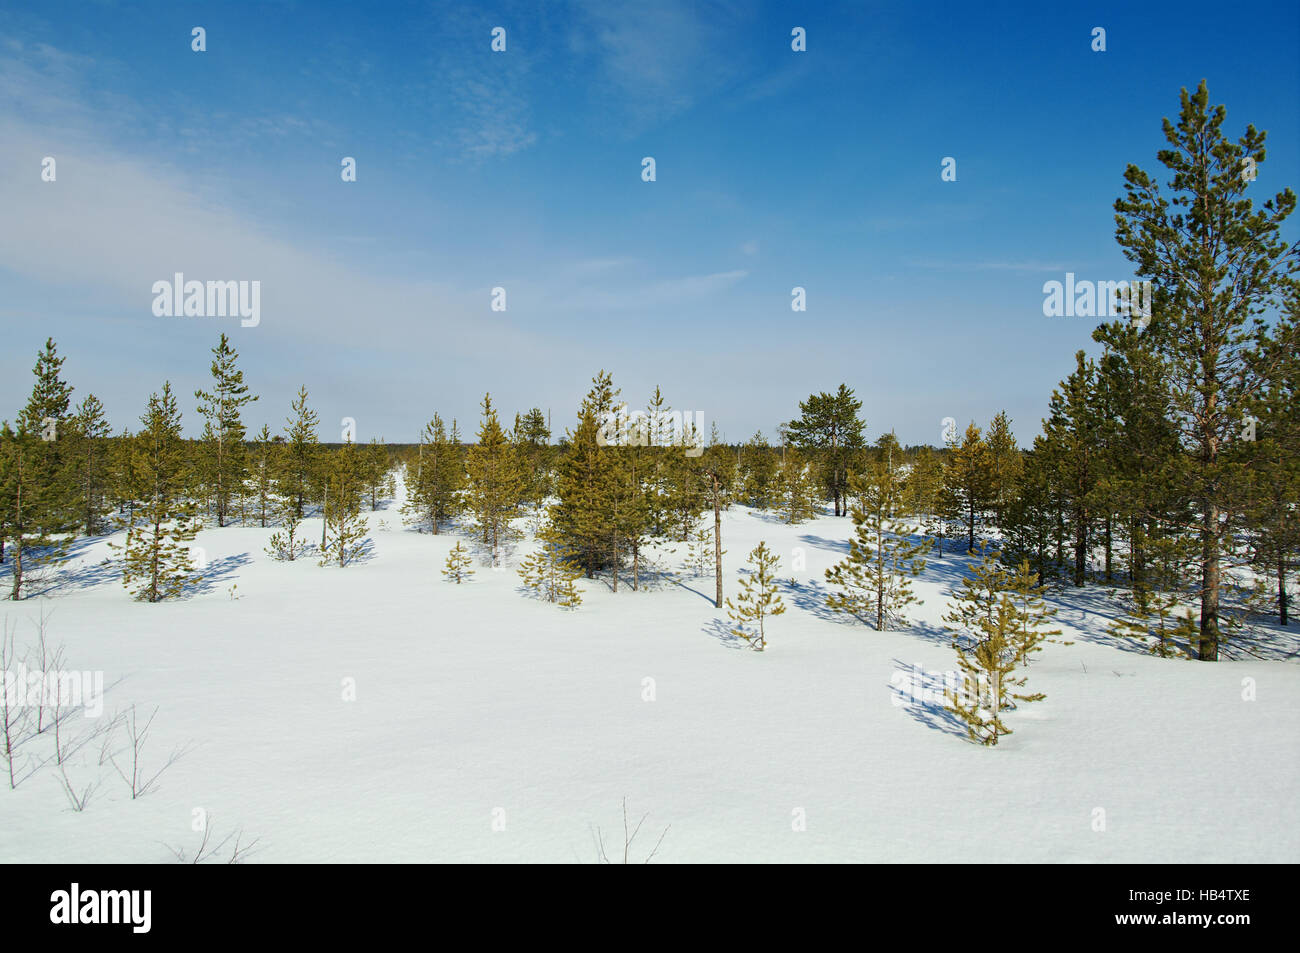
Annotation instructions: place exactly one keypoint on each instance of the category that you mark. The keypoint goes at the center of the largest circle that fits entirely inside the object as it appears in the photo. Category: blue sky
(521, 169)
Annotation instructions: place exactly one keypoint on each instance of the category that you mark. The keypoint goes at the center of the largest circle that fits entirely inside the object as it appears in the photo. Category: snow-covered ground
(490, 727)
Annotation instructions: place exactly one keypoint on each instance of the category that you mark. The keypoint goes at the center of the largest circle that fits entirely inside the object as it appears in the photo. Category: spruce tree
(875, 578)
(758, 598)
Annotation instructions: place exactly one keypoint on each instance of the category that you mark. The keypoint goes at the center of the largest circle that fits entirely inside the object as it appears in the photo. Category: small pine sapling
(758, 598)
(457, 566)
(988, 635)
(875, 578)
(551, 572)
(284, 543)
(1033, 615)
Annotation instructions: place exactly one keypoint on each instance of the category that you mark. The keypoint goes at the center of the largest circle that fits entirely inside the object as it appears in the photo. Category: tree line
(1166, 467)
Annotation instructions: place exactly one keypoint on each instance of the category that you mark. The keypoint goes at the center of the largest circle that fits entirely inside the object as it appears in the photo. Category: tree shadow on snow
(810, 596)
(920, 694)
(721, 630)
(217, 571)
(821, 542)
(706, 598)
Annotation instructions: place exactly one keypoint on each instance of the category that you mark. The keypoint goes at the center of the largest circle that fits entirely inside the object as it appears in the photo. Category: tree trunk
(1080, 547)
(1281, 588)
(1209, 648)
(717, 544)
(1108, 546)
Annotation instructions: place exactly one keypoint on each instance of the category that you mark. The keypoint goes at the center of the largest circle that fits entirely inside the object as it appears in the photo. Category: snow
(476, 704)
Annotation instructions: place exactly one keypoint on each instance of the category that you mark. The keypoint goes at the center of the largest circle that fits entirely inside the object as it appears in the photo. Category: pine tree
(376, 471)
(1152, 619)
(925, 498)
(1072, 441)
(717, 468)
(345, 527)
(621, 493)
(157, 564)
(1033, 616)
(457, 566)
(1216, 263)
(758, 598)
(799, 488)
(759, 468)
(1274, 506)
(299, 460)
(699, 551)
(92, 434)
(38, 480)
(1030, 517)
(657, 471)
(496, 482)
(966, 481)
(875, 578)
(225, 464)
(123, 479)
(261, 470)
(1138, 479)
(551, 572)
(285, 543)
(582, 514)
(829, 427)
(532, 438)
(439, 474)
(27, 502)
(1005, 467)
